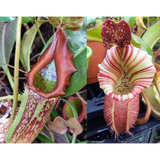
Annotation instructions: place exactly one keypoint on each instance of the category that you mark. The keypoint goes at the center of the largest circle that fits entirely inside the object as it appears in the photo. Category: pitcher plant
(123, 74)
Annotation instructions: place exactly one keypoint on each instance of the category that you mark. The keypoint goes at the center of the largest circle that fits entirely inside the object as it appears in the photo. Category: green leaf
(77, 39)
(136, 44)
(94, 34)
(145, 46)
(152, 35)
(26, 45)
(54, 113)
(78, 79)
(77, 45)
(129, 20)
(7, 40)
(44, 138)
(5, 19)
(27, 19)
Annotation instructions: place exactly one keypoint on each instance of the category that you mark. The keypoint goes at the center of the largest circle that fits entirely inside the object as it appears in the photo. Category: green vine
(39, 31)
(16, 70)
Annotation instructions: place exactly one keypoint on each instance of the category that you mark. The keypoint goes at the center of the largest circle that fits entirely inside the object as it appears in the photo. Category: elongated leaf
(7, 40)
(135, 43)
(44, 138)
(94, 34)
(77, 39)
(5, 19)
(77, 45)
(54, 113)
(79, 78)
(144, 46)
(152, 35)
(26, 45)
(27, 19)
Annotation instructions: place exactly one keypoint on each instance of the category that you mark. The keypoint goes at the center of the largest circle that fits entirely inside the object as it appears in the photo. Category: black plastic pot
(98, 131)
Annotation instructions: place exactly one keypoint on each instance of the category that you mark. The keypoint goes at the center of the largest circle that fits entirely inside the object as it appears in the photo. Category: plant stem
(67, 138)
(9, 78)
(74, 138)
(11, 97)
(6, 97)
(16, 70)
(52, 137)
(13, 67)
(42, 20)
(39, 31)
(81, 98)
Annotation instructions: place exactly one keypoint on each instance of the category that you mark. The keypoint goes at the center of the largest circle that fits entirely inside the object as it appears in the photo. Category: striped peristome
(136, 64)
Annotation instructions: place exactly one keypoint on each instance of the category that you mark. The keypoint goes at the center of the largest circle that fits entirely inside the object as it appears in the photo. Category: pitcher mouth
(125, 72)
